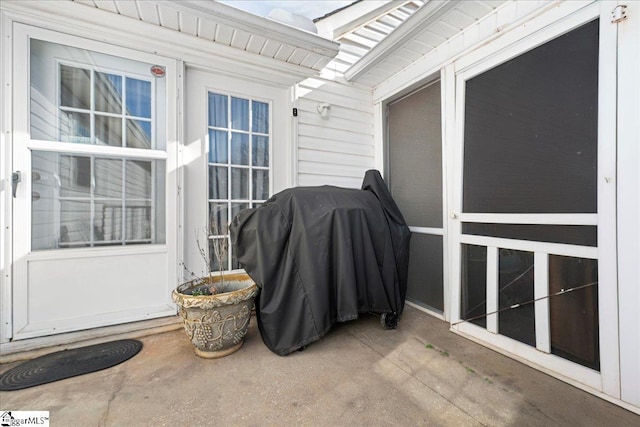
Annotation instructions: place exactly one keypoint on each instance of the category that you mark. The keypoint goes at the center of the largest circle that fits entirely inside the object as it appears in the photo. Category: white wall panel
(308, 180)
(336, 147)
(337, 150)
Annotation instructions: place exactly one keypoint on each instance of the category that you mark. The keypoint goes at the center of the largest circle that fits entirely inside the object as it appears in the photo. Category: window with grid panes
(238, 166)
(103, 198)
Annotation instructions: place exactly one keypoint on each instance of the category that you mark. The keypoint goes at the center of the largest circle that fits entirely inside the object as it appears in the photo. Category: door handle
(16, 177)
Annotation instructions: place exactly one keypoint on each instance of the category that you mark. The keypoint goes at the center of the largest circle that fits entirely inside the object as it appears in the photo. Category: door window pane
(87, 105)
(235, 143)
(260, 117)
(516, 287)
(75, 176)
(260, 184)
(75, 127)
(78, 201)
(260, 151)
(239, 184)
(239, 114)
(138, 179)
(108, 93)
(138, 134)
(218, 184)
(530, 132)
(138, 98)
(75, 223)
(218, 218)
(218, 110)
(219, 253)
(75, 87)
(109, 223)
(108, 178)
(137, 221)
(108, 130)
(218, 146)
(574, 314)
(239, 148)
(237, 207)
(94, 199)
(473, 304)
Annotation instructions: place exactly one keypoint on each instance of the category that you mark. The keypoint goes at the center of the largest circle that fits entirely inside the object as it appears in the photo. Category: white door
(94, 209)
(534, 237)
(237, 154)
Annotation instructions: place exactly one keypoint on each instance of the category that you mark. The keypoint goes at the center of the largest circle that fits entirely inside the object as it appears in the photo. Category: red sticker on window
(157, 71)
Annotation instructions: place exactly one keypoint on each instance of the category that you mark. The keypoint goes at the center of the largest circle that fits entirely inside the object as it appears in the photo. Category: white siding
(337, 150)
(340, 149)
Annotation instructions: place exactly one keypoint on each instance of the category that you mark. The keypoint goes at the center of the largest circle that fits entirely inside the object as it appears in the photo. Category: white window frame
(92, 149)
(19, 245)
(199, 83)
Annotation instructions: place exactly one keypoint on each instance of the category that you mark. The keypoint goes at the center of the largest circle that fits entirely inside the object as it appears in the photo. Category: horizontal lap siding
(338, 150)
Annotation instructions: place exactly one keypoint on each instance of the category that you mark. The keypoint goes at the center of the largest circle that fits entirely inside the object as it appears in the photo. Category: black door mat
(68, 363)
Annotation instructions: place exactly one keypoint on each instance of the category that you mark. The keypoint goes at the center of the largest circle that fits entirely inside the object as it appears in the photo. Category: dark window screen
(574, 314)
(530, 136)
(415, 156)
(516, 287)
(473, 299)
(425, 271)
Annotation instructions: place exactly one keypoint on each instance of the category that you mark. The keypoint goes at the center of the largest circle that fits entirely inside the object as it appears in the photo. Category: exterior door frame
(198, 82)
(20, 160)
(606, 381)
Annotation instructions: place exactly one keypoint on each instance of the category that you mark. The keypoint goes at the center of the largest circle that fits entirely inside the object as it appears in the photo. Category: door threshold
(30, 348)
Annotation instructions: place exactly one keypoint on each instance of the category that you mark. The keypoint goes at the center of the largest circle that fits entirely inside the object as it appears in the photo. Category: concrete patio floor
(359, 374)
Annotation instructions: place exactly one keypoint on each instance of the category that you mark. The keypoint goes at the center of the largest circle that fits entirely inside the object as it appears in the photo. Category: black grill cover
(322, 255)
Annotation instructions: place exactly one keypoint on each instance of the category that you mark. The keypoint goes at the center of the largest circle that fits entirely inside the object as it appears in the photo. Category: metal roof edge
(425, 16)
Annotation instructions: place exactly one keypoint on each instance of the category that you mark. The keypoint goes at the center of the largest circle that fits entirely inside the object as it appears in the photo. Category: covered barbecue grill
(322, 255)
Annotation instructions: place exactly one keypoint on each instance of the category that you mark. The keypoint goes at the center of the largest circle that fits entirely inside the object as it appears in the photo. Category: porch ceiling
(361, 26)
(222, 24)
(431, 26)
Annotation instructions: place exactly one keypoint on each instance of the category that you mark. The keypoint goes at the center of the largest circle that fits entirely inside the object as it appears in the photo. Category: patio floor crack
(412, 375)
(121, 380)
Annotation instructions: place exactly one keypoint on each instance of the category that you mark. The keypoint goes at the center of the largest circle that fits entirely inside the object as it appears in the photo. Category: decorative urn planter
(216, 324)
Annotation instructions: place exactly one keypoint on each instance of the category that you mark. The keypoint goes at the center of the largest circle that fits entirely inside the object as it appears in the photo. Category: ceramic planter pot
(216, 324)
